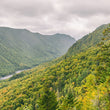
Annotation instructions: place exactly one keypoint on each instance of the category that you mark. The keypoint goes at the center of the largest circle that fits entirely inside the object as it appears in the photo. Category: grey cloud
(29, 8)
(86, 7)
(74, 17)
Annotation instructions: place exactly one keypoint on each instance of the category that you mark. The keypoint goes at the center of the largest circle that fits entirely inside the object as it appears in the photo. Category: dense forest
(21, 49)
(76, 81)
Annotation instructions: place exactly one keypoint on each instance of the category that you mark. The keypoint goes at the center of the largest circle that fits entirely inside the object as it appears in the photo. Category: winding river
(9, 76)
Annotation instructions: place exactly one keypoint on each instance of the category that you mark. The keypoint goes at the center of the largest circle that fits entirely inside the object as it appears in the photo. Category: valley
(22, 49)
(78, 80)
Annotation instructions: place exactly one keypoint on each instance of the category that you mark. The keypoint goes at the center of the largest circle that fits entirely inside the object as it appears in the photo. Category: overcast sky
(73, 17)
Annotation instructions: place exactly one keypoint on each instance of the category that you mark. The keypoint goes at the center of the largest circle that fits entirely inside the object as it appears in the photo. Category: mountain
(87, 41)
(20, 48)
(80, 82)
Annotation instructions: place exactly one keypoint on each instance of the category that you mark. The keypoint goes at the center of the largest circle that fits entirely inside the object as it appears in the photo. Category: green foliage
(69, 102)
(80, 82)
(22, 49)
(16, 76)
(87, 41)
(48, 100)
(104, 58)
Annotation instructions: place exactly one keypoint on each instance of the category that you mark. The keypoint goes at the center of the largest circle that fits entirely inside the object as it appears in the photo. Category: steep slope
(82, 79)
(87, 41)
(20, 48)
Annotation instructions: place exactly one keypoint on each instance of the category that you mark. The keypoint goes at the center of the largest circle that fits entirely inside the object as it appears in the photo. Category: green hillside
(20, 48)
(78, 82)
(87, 41)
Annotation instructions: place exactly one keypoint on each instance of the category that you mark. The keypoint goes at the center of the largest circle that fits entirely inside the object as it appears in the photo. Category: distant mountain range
(20, 48)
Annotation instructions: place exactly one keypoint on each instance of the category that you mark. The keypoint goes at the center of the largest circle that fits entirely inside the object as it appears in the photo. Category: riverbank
(9, 76)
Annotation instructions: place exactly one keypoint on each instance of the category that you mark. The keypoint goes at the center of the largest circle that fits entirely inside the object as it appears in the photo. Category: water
(9, 76)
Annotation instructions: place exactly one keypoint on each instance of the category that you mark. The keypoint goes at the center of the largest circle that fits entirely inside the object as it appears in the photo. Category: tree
(104, 58)
(69, 101)
(48, 100)
(103, 68)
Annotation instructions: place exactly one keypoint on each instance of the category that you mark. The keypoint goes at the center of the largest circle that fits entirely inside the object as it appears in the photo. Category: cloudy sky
(73, 17)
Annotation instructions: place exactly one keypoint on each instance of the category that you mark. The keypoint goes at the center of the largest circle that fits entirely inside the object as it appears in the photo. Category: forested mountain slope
(87, 41)
(80, 82)
(20, 48)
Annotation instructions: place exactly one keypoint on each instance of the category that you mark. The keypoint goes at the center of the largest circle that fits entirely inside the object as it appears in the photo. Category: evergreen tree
(103, 58)
(69, 102)
(48, 100)
(103, 68)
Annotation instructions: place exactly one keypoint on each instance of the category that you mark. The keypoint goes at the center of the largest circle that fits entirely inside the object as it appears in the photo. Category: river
(9, 76)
